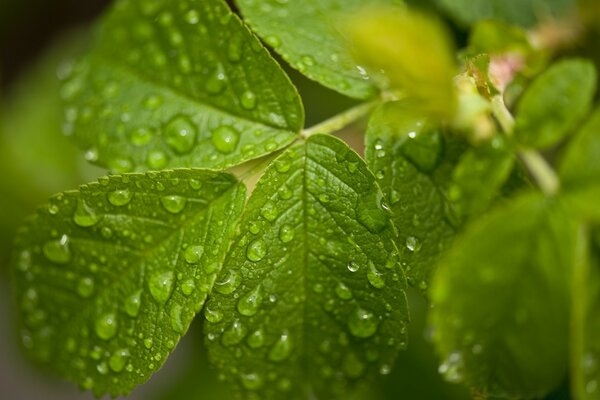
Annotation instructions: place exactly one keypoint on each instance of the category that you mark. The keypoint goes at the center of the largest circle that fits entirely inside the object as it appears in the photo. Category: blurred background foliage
(39, 38)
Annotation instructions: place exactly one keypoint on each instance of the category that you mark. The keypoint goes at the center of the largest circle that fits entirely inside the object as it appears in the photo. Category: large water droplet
(273, 41)
(413, 244)
(84, 215)
(352, 365)
(106, 326)
(180, 134)
(269, 211)
(343, 291)
(215, 84)
(118, 360)
(375, 277)
(119, 197)
(256, 250)
(192, 17)
(249, 304)
(58, 251)
(452, 367)
(175, 316)
(173, 204)
(353, 266)
(234, 334)
(213, 316)
(85, 287)
(256, 339)
(248, 100)
(132, 304)
(229, 284)
(160, 285)
(193, 254)
(281, 349)
(252, 381)
(362, 323)
(140, 136)
(286, 233)
(225, 139)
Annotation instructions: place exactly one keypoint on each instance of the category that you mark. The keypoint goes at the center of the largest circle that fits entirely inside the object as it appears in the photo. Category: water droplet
(213, 316)
(353, 266)
(84, 215)
(286, 233)
(152, 102)
(249, 304)
(132, 304)
(102, 368)
(375, 277)
(234, 50)
(140, 136)
(251, 381)
(256, 339)
(119, 197)
(452, 367)
(118, 360)
(413, 244)
(106, 326)
(362, 323)
(120, 165)
(58, 251)
(225, 139)
(85, 287)
(324, 198)
(156, 159)
(234, 334)
(256, 250)
(193, 254)
(352, 166)
(192, 17)
(248, 100)
(343, 291)
(285, 192)
(318, 288)
(269, 211)
(91, 155)
(273, 41)
(175, 316)
(180, 134)
(229, 284)
(216, 83)
(148, 343)
(281, 349)
(352, 365)
(160, 285)
(173, 204)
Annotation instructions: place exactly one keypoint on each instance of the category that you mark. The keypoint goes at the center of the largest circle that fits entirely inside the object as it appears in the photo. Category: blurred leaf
(555, 103)
(413, 162)
(168, 86)
(308, 35)
(518, 12)
(415, 52)
(580, 164)
(312, 295)
(501, 301)
(494, 37)
(109, 277)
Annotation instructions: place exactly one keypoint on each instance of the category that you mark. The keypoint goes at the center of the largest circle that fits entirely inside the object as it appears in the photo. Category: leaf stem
(536, 164)
(341, 120)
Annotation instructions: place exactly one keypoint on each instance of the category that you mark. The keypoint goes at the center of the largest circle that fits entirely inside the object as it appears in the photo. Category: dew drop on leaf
(251, 381)
(84, 215)
(160, 285)
(249, 304)
(192, 254)
(343, 291)
(119, 197)
(225, 139)
(192, 17)
(85, 287)
(132, 303)
(286, 233)
(215, 84)
(269, 211)
(118, 360)
(281, 349)
(362, 323)
(106, 326)
(234, 334)
(353, 266)
(213, 316)
(180, 134)
(248, 100)
(58, 251)
(156, 159)
(229, 284)
(413, 244)
(256, 250)
(140, 136)
(175, 316)
(352, 366)
(374, 277)
(173, 204)
(256, 339)
(152, 102)
(452, 367)
(273, 41)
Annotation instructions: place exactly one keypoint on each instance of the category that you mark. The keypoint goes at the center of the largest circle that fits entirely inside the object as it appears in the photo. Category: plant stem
(539, 168)
(341, 120)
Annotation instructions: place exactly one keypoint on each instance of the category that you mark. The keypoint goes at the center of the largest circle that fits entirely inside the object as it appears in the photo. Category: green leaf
(414, 50)
(501, 301)
(555, 103)
(585, 346)
(307, 34)
(413, 163)
(311, 297)
(178, 84)
(519, 12)
(109, 277)
(579, 165)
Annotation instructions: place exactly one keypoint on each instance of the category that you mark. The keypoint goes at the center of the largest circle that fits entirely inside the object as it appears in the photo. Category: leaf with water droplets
(307, 34)
(555, 103)
(158, 91)
(432, 182)
(287, 288)
(501, 298)
(110, 279)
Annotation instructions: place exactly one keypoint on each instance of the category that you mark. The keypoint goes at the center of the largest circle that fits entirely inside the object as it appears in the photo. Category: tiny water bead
(256, 250)
(106, 326)
(118, 360)
(140, 136)
(225, 139)
(133, 303)
(120, 198)
(215, 84)
(343, 291)
(256, 339)
(85, 287)
(180, 134)
(248, 100)
(84, 215)
(269, 211)
(192, 254)
(58, 251)
(252, 381)
(249, 304)
(229, 284)
(286, 233)
(413, 244)
(353, 266)
(375, 277)
(213, 316)
(173, 204)
(160, 285)
(362, 323)
(234, 334)
(281, 349)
